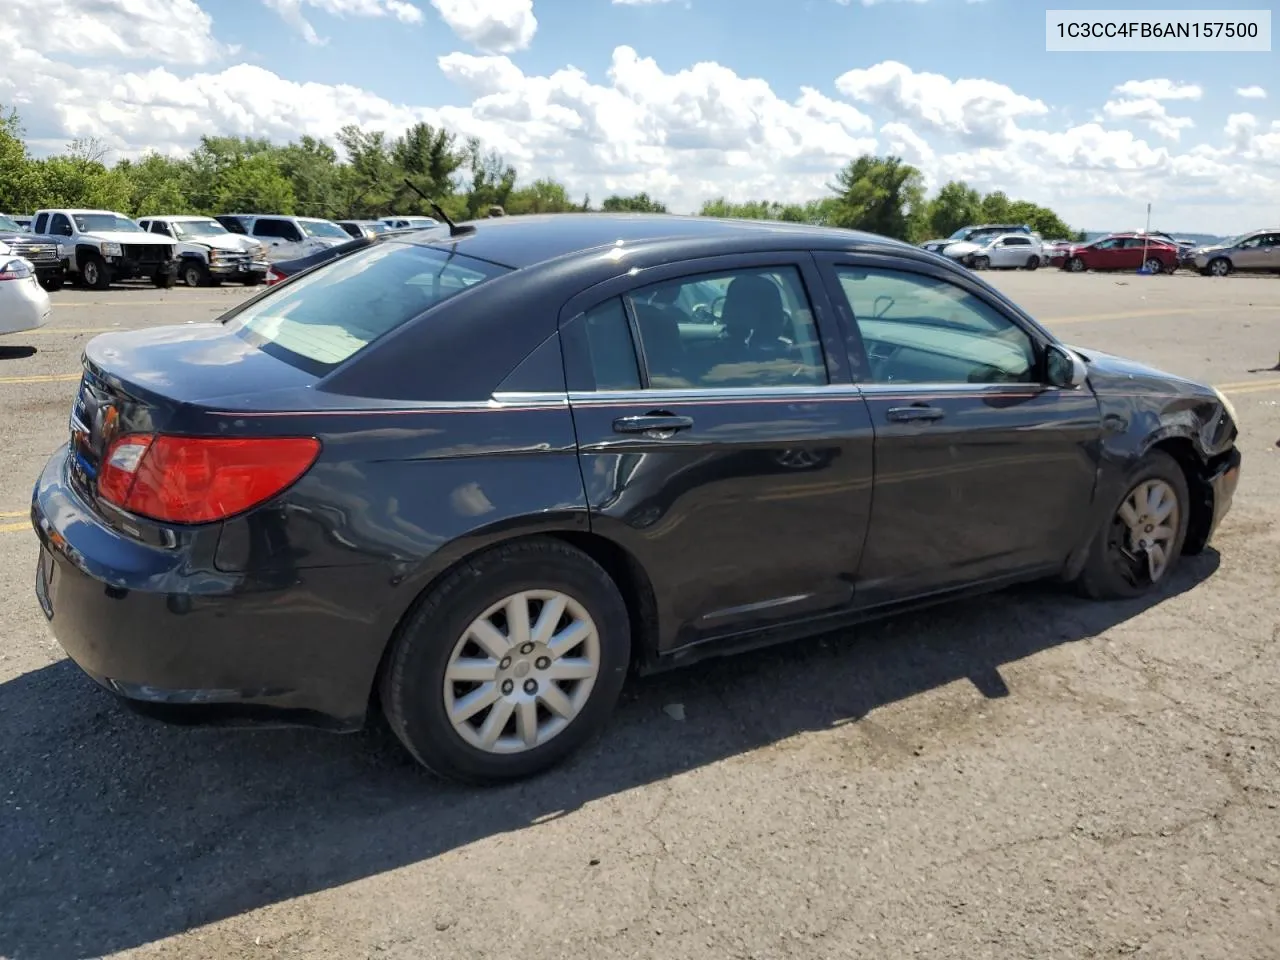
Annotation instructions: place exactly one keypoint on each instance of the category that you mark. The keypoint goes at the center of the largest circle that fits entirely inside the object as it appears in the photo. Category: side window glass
(613, 355)
(741, 328)
(918, 329)
(60, 226)
(158, 227)
(40, 223)
(290, 232)
(233, 224)
(267, 228)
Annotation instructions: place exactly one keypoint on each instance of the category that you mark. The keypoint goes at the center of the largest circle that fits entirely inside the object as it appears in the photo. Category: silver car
(1258, 250)
(1010, 251)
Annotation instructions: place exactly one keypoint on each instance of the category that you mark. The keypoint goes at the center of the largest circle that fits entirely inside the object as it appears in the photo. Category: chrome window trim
(1022, 386)
(653, 396)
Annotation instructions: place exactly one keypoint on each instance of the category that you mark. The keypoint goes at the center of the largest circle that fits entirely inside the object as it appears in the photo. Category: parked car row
(1013, 246)
(99, 247)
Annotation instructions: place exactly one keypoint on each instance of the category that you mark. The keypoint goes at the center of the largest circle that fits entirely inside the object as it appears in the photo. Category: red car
(1122, 251)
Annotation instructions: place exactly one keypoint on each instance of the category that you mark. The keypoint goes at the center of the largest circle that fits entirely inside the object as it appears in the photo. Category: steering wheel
(709, 312)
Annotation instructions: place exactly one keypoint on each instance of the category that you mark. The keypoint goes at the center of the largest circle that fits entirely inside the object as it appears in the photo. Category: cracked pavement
(1023, 775)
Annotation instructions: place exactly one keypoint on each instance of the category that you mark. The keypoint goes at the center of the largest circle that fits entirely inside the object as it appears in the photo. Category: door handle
(657, 422)
(917, 411)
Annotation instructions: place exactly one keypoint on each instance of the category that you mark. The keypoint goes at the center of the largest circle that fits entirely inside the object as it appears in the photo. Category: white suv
(208, 252)
(286, 238)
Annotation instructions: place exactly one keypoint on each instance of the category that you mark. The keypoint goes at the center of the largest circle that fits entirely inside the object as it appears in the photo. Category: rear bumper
(157, 626)
(23, 305)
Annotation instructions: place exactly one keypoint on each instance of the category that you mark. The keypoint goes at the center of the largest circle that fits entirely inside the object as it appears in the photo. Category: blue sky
(687, 98)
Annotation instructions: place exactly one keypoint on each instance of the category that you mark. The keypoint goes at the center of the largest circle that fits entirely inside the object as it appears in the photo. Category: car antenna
(454, 229)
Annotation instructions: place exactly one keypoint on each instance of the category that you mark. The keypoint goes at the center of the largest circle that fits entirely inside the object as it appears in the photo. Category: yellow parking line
(60, 305)
(14, 527)
(13, 513)
(1138, 314)
(43, 378)
(1258, 386)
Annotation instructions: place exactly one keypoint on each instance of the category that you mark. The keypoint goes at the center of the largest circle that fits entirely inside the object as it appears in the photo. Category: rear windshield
(332, 312)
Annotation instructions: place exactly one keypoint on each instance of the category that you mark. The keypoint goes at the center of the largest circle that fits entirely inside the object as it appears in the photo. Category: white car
(1009, 251)
(285, 237)
(24, 305)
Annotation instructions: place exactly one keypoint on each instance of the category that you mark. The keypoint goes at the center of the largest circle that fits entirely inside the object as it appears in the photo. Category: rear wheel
(1154, 265)
(93, 272)
(509, 664)
(163, 279)
(1033, 263)
(1141, 540)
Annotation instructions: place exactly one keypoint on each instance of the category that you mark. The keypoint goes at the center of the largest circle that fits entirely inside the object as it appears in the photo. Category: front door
(982, 469)
(1256, 253)
(722, 443)
(282, 238)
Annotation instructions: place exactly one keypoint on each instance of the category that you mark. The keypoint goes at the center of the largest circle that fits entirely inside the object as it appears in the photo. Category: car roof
(73, 210)
(537, 238)
(183, 217)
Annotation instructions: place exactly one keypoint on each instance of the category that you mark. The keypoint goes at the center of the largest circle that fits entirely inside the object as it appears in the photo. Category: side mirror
(1064, 368)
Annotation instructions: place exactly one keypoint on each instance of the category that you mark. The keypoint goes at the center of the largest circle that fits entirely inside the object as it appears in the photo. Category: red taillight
(199, 479)
(272, 277)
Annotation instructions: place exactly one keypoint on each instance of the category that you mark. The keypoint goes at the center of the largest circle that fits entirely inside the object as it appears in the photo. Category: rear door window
(320, 320)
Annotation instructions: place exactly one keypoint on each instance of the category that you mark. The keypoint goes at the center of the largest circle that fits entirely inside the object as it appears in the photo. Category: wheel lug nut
(526, 648)
(531, 686)
(507, 686)
(505, 662)
(542, 663)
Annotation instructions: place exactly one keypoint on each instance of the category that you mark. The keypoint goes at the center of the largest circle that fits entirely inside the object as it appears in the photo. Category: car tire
(1219, 267)
(1112, 570)
(1154, 265)
(194, 273)
(257, 280)
(981, 263)
(94, 273)
(1075, 265)
(416, 693)
(1033, 263)
(163, 280)
(52, 284)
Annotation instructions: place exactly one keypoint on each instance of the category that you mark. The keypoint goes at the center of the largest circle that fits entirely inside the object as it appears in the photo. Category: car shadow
(17, 351)
(118, 830)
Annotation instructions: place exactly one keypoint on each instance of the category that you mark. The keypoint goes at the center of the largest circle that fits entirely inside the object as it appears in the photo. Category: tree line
(308, 177)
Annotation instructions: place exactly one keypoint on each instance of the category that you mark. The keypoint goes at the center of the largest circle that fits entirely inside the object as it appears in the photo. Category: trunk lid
(149, 381)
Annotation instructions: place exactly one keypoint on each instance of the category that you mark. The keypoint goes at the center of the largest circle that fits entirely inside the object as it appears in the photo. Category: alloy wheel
(1149, 516)
(1219, 268)
(522, 671)
(1154, 265)
(1077, 265)
(90, 273)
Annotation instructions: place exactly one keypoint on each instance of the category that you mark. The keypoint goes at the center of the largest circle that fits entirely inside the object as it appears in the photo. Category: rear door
(721, 439)
(282, 238)
(982, 469)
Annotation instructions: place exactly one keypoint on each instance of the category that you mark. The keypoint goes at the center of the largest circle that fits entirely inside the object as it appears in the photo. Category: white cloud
(1251, 93)
(684, 135)
(1159, 89)
(978, 112)
(1150, 112)
(170, 31)
(290, 12)
(496, 26)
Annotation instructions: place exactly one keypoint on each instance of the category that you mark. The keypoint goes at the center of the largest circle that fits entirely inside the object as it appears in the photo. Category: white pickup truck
(208, 252)
(100, 247)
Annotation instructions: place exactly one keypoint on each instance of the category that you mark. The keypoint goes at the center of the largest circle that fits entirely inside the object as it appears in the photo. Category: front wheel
(1033, 263)
(1075, 265)
(981, 263)
(93, 272)
(163, 279)
(1219, 267)
(195, 273)
(1141, 540)
(509, 664)
(1154, 265)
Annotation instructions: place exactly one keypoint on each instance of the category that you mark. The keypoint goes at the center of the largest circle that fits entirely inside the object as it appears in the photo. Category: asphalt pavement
(1025, 775)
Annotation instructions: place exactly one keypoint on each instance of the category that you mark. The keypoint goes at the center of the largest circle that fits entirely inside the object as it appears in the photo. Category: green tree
(996, 208)
(254, 184)
(369, 185)
(311, 168)
(881, 195)
(157, 185)
(71, 181)
(541, 196)
(639, 203)
(429, 158)
(19, 189)
(956, 205)
(492, 180)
